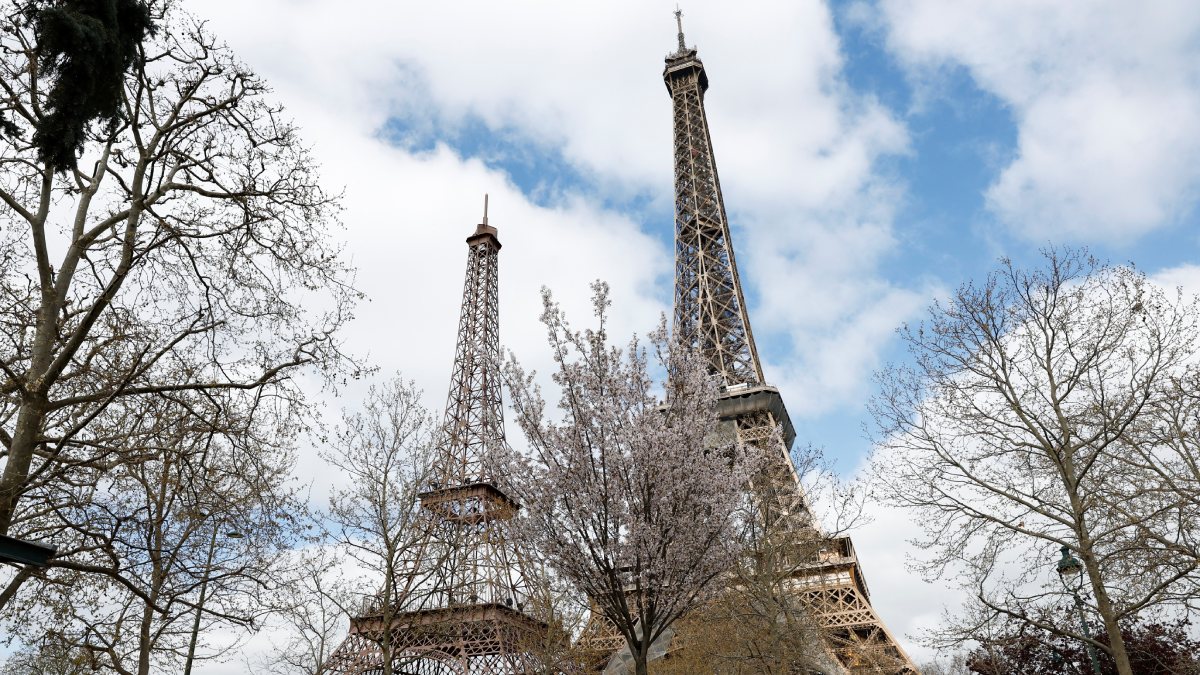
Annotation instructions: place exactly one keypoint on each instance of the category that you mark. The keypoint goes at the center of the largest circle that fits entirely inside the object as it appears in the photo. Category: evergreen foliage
(86, 46)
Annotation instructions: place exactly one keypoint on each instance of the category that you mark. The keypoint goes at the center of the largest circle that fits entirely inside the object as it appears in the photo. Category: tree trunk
(144, 643)
(1104, 606)
(1116, 641)
(641, 655)
(20, 456)
(385, 643)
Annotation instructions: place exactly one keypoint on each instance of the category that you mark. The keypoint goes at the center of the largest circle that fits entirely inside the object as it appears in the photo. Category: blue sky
(874, 154)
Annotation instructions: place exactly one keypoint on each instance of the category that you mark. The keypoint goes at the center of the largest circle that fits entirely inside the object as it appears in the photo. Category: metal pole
(212, 545)
(1091, 649)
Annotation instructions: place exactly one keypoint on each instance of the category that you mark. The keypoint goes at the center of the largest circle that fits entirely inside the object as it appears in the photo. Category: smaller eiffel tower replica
(460, 604)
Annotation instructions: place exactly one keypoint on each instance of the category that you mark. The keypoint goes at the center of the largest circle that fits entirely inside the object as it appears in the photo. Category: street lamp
(33, 553)
(1070, 573)
(212, 545)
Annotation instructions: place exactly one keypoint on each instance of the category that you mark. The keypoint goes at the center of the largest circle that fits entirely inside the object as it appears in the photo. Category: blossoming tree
(633, 493)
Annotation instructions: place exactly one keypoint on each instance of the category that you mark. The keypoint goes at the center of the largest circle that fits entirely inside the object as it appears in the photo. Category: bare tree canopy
(761, 621)
(161, 285)
(384, 451)
(1154, 649)
(191, 254)
(310, 615)
(1032, 418)
(634, 500)
(182, 537)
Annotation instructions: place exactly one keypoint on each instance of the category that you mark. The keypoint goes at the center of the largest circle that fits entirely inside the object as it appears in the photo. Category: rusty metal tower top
(710, 309)
(679, 23)
(474, 424)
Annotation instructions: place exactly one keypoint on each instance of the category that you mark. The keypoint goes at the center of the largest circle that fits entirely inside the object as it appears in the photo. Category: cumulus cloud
(1186, 278)
(343, 74)
(1105, 96)
(797, 148)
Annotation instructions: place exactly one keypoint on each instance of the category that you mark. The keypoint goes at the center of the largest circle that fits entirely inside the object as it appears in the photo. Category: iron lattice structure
(459, 604)
(710, 316)
(710, 308)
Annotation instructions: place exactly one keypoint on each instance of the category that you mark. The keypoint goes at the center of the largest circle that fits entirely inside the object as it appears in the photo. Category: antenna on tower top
(485, 197)
(679, 23)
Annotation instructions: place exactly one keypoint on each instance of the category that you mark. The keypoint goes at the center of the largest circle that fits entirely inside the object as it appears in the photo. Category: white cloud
(1183, 277)
(830, 308)
(798, 150)
(1105, 95)
(407, 213)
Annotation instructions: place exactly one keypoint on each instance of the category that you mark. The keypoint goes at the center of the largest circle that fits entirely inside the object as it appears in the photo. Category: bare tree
(383, 454)
(311, 615)
(1164, 448)
(634, 500)
(181, 536)
(758, 626)
(190, 253)
(1029, 421)
(561, 609)
(50, 657)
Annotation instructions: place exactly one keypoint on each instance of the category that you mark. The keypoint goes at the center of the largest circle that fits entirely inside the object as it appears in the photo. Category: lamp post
(1070, 571)
(212, 545)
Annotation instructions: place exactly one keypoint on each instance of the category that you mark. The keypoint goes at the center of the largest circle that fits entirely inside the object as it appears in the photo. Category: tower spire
(679, 24)
(474, 425)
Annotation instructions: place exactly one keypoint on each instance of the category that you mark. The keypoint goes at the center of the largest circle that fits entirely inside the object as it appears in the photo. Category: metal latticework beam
(710, 316)
(474, 425)
(710, 312)
(458, 603)
(833, 587)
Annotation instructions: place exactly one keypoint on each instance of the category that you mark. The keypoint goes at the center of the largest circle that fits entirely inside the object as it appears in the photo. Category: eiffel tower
(710, 316)
(459, 604)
